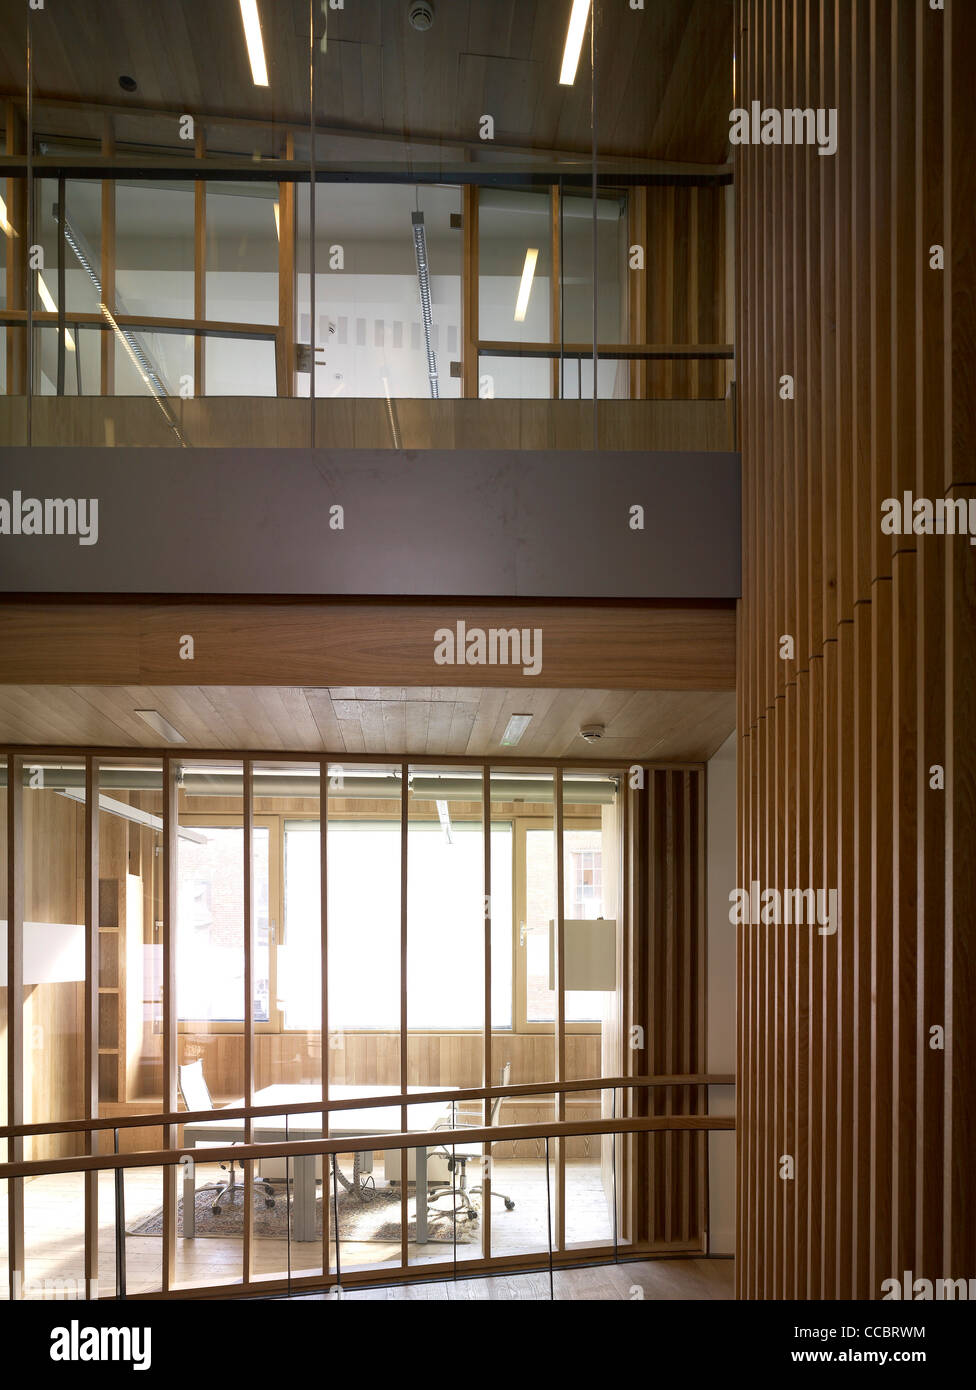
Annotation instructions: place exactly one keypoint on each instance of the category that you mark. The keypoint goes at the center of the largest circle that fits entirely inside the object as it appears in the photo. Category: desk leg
(421, 1193)
(305, 1196)
(189, 1202)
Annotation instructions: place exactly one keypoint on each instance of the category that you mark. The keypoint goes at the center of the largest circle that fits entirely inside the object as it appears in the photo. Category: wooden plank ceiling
(663, 725)
(664, 87)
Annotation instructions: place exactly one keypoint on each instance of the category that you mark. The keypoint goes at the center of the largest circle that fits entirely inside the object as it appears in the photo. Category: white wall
(720, 1042)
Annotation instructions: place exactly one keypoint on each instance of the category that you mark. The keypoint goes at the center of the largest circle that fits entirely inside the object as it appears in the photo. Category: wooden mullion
(469, 292)
(286, 281)
(555, 285)
(487, 1059)
(199, 266)
(108, 262)
(248, 934)
(171, 810)
(324, 1026)
(15, 1019)
(560, 1040)
(404, 1071)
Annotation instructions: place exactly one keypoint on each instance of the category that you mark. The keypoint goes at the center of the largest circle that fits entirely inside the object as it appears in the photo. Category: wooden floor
(54, 1239)
(647, 1279)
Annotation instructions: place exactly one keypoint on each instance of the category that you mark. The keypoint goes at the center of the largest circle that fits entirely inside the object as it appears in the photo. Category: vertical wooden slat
(959, 1251)
(15, 1018)
(91, 1018)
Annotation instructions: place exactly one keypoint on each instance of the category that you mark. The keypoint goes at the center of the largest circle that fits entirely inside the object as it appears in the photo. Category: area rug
(372, 1215)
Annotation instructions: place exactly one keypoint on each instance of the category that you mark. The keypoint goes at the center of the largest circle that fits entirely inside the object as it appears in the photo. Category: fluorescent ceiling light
(160, 725)
(514, 729)
(574, 42)
(47, 299)
(255, 44)
(525, 288)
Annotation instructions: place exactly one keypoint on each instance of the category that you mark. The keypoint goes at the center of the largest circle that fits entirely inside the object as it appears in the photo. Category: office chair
(196, 1096)
(462, 1195)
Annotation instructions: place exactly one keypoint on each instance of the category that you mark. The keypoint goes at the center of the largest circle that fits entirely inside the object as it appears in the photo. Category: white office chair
(460, 1156)
(196, 1096)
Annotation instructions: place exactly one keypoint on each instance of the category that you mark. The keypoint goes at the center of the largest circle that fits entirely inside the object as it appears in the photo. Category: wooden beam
(635, 646)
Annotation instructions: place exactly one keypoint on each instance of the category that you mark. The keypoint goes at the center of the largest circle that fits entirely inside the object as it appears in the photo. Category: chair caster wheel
(216, 1211)
(269, 1202)
(509, 1204)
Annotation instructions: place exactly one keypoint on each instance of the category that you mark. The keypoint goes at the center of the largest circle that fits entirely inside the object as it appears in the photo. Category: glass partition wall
(447, 929)
(232, 222)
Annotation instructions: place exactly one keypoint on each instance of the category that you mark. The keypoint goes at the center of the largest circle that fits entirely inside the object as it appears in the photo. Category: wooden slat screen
(835, 287)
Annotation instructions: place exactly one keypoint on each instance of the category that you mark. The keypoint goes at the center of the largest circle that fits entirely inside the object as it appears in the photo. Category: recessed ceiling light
(525, 288)
(574, 42)
(160, 725)
(255, 44)
(128, 84)
(514, 729)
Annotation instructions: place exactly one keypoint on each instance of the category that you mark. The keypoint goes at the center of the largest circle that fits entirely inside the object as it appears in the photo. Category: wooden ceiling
(659, 725)
(664, 73)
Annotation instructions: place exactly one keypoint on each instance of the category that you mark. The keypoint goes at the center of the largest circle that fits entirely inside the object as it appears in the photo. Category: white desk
(368, 1123)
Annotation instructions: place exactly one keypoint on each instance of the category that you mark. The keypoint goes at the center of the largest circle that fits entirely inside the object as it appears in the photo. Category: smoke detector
(421, 14)
(592, 733)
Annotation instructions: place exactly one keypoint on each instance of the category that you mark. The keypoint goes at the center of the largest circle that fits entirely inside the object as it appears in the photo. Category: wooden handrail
(431, 1139)
(640, 352)
(151, 1119)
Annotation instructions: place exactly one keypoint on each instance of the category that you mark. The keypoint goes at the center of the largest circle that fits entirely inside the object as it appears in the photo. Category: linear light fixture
(47, 299)
(514, 729)
(277, 212)
(160, 725)
(525, 288)
(574, 42)
(423, 276)
(255, 44)
(135, 814)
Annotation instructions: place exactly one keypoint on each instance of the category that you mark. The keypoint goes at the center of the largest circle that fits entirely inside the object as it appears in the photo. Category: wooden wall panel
(837, 745)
